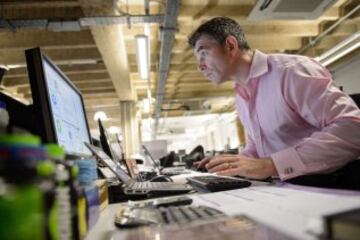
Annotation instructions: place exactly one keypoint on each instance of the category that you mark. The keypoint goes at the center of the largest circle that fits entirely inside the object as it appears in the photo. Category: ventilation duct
(289, 9)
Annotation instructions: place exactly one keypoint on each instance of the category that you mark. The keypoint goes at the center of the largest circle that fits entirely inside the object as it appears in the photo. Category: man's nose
(201, 66)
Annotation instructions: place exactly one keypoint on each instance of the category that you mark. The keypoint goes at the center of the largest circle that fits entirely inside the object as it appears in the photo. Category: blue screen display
(68, 113)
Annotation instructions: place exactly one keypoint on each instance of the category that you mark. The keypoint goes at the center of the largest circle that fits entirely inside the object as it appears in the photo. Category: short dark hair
(220, 28)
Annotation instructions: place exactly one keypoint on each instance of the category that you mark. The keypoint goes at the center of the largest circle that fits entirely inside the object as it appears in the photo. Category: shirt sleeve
(309, 90)
(250, 148)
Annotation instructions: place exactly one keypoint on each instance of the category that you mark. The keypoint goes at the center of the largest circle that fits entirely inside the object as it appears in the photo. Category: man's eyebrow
(199, 48)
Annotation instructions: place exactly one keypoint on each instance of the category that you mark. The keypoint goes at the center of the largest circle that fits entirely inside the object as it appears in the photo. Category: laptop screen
(105, 159)
(132, 168)
(155, 164)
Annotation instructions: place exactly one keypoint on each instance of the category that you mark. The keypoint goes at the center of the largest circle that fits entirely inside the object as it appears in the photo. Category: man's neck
(243, 66)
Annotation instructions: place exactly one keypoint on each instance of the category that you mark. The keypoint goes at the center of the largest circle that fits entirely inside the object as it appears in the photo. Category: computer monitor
(105, 140)
(58, 105)
(111, 149)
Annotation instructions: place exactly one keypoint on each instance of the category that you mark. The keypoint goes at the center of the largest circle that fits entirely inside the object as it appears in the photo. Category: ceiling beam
(102, 90)
(49, 12)
(288, 28)
(46, 39)
(111, 44)
(97, 103)
(98, 85)
(258, 42)
(83, 77)
(67, 69)
(38, 4)
(58, 56)
(239, 14)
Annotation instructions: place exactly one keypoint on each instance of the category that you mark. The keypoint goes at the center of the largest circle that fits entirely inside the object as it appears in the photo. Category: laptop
(131, 186)
(169, 171)
(132, 168)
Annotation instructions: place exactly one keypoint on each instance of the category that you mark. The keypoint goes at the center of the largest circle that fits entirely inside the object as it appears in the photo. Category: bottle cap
(45, 169)
(55, 151)
(17, 139)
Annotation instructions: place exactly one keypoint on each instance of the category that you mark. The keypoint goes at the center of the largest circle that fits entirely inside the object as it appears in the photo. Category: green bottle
(21, 198)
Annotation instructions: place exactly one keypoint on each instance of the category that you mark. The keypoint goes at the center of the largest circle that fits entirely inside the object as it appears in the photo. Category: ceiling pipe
(167, 39)
(327, 31)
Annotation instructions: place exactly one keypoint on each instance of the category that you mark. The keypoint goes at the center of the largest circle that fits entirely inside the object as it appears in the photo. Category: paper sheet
(292, 211)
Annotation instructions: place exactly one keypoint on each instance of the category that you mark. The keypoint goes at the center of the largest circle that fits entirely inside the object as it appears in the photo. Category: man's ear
(231, 43)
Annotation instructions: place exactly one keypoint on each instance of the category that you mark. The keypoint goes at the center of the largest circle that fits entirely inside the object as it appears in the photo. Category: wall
(215, 135)
(348, 75)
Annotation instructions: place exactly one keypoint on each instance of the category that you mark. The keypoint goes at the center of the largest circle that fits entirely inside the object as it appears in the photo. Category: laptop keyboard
(216, 183)
(175, 171)
(159, 186)
(151, 185)
(131, 217)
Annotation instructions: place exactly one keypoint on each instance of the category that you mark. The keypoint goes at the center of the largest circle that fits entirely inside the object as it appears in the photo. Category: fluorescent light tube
(341, 49)
(142, 50)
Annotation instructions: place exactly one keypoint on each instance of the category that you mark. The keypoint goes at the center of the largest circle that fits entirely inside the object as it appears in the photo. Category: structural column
(129, 127)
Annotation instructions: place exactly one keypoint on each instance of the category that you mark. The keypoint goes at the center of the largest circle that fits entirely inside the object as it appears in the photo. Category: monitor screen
(58, 105)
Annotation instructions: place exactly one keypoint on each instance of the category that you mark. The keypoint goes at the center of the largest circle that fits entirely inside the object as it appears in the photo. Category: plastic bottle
(21, 198)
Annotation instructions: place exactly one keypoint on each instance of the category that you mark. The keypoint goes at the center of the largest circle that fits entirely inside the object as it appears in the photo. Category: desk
(291, 209)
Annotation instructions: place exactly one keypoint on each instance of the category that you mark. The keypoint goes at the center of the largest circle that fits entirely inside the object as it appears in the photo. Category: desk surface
(301, 208)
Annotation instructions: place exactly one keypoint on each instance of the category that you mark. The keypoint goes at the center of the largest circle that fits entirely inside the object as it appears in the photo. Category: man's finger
(196, 163)
(220, 159)
(220, 167)
(230, 172)
(201, 164)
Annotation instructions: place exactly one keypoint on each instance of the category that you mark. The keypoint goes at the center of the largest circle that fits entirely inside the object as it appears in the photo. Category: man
(297, 121)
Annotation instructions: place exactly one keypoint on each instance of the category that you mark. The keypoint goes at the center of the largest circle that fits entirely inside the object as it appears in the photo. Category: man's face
(212, 59)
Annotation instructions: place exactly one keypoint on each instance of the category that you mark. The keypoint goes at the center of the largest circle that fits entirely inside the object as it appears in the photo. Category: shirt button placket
(255, 119)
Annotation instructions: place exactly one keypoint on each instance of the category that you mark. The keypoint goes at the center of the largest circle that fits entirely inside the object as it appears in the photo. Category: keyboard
(157, 185)
(134, 217)
(147, 185)
(170, 171)
(216, 183)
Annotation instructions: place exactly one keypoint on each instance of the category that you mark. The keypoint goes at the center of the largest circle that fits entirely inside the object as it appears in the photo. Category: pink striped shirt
(293, 113)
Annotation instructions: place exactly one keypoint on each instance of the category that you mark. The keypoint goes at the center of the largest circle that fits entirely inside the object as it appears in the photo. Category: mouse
(161, 178)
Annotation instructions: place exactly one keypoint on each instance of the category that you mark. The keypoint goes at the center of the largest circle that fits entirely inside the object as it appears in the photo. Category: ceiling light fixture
(100, 115)
(114, 130)
(142, 55)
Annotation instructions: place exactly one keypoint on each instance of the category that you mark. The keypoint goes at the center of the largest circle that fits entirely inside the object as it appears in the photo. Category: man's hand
(233, 165)
(201, 164)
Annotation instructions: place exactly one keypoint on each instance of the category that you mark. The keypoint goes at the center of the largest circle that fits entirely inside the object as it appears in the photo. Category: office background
(161, 95)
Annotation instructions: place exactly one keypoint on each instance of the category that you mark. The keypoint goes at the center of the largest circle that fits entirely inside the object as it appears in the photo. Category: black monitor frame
(45, 125)
(108, 147)
(105, 142)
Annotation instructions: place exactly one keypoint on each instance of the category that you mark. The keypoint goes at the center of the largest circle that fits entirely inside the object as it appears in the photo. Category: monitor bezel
(35, 59)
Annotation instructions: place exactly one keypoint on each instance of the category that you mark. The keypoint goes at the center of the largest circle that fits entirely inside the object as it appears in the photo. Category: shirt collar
(259, 65)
